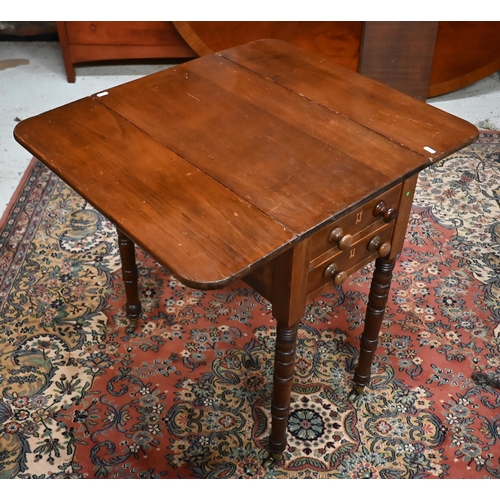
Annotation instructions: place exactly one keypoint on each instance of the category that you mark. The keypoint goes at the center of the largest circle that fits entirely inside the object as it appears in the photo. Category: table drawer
(355, 222)
(122, 33)
(347, 261)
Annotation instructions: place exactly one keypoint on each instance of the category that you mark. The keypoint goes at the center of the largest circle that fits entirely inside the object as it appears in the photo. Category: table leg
(289, 302)
(129, 273)
(377, 301)
(284, 360)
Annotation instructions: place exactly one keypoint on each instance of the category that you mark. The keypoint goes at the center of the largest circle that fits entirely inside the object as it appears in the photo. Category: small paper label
(429, 149)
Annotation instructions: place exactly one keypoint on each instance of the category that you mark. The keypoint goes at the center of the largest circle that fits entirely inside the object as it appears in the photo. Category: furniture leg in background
(129, 272)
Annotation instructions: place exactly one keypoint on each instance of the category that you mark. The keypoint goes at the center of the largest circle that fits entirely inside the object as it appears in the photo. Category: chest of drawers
(85, 41)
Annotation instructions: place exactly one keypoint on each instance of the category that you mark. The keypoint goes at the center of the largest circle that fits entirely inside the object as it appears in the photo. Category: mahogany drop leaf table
(263, 163)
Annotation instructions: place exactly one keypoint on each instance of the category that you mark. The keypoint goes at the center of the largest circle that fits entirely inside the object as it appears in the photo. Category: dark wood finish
(337, 41)
(404, 209)
(388, 212)
(235, 141)
(399, 54)
(129, 273)
(86, 41)
(284, 360)
(345, 260)
(377, 301)
(362, 221)
(240, 164)
(463, 53)
(157, 195)
(69, 62)
(365, 107)
(289, 301)
(290, 283)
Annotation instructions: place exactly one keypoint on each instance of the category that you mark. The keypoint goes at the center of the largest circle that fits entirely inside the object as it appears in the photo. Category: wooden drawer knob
(343, 241)
(388, 213)
(338, 277)
(383, 249)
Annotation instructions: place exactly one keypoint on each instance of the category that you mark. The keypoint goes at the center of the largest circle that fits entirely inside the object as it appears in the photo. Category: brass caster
(271, 460)
(355, 394)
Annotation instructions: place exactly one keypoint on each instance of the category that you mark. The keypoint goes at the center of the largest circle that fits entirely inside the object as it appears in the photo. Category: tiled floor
(33, 80)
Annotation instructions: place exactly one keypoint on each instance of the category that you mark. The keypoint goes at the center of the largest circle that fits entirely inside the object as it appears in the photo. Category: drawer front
(355, 223)
(349, 260)
(122, 33)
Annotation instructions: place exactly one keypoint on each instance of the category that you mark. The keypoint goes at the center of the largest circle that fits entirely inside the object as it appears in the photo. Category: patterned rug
(186, 394)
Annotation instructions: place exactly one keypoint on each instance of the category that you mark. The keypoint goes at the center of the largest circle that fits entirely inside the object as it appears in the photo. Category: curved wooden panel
(465, 51)
(338, 41)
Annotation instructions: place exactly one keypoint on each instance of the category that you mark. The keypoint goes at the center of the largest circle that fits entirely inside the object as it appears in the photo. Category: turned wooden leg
(289, 294)
(129, 273)
(284, 359)
(377, 301)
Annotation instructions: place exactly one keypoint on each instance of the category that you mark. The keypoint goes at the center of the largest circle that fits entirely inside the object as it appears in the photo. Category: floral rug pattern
(186, 393)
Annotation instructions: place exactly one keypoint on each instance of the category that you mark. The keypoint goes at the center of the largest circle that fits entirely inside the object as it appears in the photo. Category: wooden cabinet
(423, 59)
(86, 41)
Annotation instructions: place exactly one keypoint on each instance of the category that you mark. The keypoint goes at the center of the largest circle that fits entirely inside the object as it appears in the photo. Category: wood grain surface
(239, 165)
(459, 54)
(205, 233)
(220, 164)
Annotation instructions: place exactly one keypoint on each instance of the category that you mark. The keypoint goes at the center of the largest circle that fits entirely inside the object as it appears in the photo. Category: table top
(217, 165)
